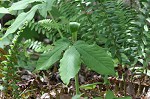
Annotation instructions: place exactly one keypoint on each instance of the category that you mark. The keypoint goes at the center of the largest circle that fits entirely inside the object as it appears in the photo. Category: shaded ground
(48, 85)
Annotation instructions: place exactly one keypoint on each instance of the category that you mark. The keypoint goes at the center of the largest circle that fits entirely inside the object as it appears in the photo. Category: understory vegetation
(75, 49)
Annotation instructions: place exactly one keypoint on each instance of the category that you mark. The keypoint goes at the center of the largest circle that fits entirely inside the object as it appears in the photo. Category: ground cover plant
(65, 49)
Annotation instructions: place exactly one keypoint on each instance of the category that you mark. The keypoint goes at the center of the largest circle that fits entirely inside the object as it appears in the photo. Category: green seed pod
(74, 26)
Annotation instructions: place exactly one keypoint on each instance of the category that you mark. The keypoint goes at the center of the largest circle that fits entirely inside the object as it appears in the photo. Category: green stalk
(74, 38)
(77, 84)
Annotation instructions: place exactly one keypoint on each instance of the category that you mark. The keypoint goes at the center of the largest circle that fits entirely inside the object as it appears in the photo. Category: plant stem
(61, 35)
(74, 39)
(77, 84)
(74, 36)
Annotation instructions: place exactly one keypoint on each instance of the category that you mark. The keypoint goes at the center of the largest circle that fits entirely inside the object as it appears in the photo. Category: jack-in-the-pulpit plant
(75, 53)
(70, 53)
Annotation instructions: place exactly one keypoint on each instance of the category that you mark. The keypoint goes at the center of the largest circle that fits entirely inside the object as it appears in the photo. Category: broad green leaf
(46, 60)
(47, 6)
(95, 58)
(22, 4)
(69, 64)
(20, 20)
(109, 95)
(4, 10)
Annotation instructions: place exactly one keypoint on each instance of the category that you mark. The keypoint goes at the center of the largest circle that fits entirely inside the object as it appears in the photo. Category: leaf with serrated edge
(95, 58)
(48, 59)
(69, 64)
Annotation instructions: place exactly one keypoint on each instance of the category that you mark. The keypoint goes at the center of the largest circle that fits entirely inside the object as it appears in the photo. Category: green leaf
(95, 58)
(69, 64)
(22, 4)
(147, 35)
(124, 58)
(46, 60)
(89, 86)
(4, 42)
(55, 12)
(148, 20)
(146, 28)
(1, 15)
(20, 20)
(109, 95)
(4, 10)
(124, 98)
(47, 6)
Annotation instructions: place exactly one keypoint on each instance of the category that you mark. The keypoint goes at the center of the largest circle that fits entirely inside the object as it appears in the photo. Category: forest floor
(48, 85)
